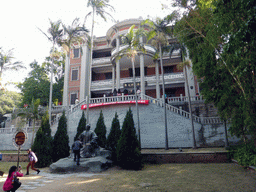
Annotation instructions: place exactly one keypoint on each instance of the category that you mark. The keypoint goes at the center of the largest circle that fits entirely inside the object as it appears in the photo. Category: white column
(113, 77)
(157, 80)
(117, 65)
(83, 74)
(66, 83)
(142, 74)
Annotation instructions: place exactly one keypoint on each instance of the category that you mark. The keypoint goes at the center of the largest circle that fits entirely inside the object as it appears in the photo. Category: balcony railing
(149, 49)
(151, 80)
(103, 60)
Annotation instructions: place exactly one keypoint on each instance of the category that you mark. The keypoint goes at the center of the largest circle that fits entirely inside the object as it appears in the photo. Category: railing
(101, 60)
(151, 79)
(184, 99)
(14, 129)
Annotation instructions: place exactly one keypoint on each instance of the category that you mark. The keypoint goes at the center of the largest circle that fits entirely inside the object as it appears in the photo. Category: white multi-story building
(108, 74)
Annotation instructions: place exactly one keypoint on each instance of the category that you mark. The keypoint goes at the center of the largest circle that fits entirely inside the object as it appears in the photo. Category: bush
(113, 137)
(43, 143)
(101, 131)
(245, 154)
(81, 126)
(128, 151)
(61, 141)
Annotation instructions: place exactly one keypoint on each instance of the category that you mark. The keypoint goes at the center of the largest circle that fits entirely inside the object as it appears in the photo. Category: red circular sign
(20, 138)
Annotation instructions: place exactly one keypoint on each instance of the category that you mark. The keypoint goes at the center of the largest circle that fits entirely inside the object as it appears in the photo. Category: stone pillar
(66, 83)
(83, 75)
(117, 65)
(142, 71)
(113, 77)
(157, 80)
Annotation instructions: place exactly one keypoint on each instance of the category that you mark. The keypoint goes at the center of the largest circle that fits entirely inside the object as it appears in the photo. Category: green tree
(159, 33)
(101, 131)
(74, 34)
(221, 42)
(36, 85)
(134, 45)
(58, 90)
(98, 8)
(128, 148)
(61, 140)
(113, 137)
(81, 126)
(30, 113)
(8, 101)
(55, 37)
(43, 143)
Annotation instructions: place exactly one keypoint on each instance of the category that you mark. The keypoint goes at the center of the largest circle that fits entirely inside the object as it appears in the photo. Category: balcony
(100, 61)
(169, 78)
(149, 50)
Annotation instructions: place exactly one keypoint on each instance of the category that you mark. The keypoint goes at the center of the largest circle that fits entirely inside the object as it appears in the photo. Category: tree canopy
(220, 37)
(36, 85)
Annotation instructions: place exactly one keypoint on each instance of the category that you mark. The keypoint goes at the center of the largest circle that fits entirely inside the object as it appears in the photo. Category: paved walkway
(33, 182)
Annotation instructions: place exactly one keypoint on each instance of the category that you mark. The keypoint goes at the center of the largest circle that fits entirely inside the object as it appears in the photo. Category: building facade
(107, 73)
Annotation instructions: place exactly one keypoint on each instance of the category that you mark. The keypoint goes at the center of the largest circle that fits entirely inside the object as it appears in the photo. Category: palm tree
(55, 37)
(74, 34)
(31, 113)
(6, 62)
(184, 65)
(133, 46)
(159, 34)
(98, 8)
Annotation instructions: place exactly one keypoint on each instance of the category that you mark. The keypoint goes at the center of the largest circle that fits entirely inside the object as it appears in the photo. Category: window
(137, 72)
(168, 69)
(76, 52)
(74, 74)
(73, 97)
(108, 75)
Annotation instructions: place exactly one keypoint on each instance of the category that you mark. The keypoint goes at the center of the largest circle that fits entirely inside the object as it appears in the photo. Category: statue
(90, 145)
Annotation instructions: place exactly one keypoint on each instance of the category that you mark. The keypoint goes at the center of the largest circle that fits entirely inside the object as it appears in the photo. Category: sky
(20, 21)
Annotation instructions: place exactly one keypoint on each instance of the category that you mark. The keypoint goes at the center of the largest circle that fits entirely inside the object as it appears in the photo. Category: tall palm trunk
(33, 133)
(90, 69)
(163, 86)
(190, 110)
(66, 91)
(50, 97)
(136, 98)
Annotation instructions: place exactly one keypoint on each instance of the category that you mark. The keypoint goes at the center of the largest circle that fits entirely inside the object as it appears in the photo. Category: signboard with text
(20, 138)
(145, 102)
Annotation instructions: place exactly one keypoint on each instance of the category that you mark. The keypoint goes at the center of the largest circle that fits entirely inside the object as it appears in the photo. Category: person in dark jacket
(76, 149)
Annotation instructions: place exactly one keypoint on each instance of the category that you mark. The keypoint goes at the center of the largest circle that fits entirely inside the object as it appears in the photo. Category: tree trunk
(163, 87)
(190, 110)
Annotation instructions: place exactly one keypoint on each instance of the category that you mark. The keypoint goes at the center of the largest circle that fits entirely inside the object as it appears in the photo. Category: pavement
(46, 181)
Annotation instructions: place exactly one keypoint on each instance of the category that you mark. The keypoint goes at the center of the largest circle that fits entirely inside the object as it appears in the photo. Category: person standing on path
(32, 160)
(76, 149)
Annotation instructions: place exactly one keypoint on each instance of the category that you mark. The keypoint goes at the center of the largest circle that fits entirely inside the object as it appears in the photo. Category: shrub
(245, 154)
(113, 137)
(128, 153)
(43, 143)
(101, 131)
(61, 141)
(81, 126)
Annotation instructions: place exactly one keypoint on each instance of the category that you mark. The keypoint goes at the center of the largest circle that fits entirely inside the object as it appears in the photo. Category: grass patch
(21, 152)
(5, 166)
(175, 177)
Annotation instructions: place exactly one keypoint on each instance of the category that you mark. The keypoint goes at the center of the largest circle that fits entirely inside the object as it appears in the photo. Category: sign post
(20, 138)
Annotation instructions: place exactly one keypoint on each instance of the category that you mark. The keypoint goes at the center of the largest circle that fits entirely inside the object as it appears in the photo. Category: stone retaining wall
(210, 157)
(156, 158)
(13, 157)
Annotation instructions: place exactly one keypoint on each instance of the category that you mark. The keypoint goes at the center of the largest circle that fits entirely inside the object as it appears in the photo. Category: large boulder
(93, 164)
